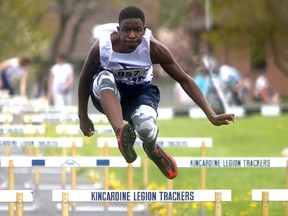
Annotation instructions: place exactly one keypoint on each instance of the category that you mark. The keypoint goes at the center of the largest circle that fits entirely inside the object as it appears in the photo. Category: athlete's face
(131, 32)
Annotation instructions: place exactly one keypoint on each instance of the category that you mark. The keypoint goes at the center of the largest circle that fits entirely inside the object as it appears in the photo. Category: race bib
(129, 73)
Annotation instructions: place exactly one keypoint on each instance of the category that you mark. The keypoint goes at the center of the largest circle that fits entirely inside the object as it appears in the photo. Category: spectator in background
(201, 78)
(263, 91)
(230, 80)
(12, 71)
(61, 79)
(246, 93)
(40, 86)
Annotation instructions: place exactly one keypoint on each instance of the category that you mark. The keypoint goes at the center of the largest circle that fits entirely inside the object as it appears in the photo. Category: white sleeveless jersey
(128, 68)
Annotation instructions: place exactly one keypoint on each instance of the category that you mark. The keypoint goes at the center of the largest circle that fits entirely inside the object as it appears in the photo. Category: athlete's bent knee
(105, 80)
(144, 119)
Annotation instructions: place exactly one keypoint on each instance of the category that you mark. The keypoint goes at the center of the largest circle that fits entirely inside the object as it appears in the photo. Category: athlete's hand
(86, 126)
(222, 119)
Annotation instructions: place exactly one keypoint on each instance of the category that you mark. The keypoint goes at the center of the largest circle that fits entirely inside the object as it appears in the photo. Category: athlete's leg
(105, 90)
(107, 99)
(144, 121)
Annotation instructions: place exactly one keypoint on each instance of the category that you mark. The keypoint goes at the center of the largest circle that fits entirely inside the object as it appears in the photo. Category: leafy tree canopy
(24, 28)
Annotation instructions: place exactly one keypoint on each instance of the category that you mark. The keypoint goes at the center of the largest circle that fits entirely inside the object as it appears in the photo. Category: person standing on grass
(117, 74)
(61, 79)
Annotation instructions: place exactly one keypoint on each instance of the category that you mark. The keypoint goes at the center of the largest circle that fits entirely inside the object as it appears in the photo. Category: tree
(21, 24)
(72, 12)
(71, 15)
(258, 25)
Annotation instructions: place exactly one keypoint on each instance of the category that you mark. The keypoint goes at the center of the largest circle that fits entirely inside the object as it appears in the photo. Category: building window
(258, 58)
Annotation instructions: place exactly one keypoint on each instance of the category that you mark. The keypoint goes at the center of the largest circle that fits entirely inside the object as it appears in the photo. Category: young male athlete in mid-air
(117, 75)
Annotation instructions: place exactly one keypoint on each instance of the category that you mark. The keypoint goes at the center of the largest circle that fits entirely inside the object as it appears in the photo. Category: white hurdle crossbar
(267, 195)
(22, 129)
(8, 129)
(161, 141)
(22, 161)
(38, 142)
(41, 141)
(71, 162)
(7, 196)
(128, 196)
(16, 196)
(275, 195)
(75, 129)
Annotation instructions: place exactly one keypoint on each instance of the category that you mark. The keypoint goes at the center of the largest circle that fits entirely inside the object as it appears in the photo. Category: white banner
(231, 162)
(141, 195)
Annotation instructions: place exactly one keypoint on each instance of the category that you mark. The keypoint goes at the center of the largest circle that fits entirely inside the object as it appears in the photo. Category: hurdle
(6, 118)
(22, 129)
(136, 196)
(4, 94)
(72, 129)
(232, 162)
(36, 130)
(106, 142)
(266, 195)
(40, 141)
(203, 143)
(61, 142)
(16, 196)
(38, 118)
(235, 162)
(270, 110)
(69, 129)
(8, 129)
(55, 115)
(36, 115)
(59, 162)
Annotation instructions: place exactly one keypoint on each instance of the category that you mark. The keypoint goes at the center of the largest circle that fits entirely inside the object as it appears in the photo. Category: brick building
(231, 56)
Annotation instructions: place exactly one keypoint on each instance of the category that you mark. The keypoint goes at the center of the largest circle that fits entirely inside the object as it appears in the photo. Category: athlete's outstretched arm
(161, 55)
(89, 69)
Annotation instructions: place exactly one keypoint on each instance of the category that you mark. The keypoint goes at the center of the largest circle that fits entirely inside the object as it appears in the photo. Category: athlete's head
(131, 27)
(131, 12)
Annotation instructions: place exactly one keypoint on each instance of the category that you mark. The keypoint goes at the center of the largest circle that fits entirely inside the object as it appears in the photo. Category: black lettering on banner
(205, 163)
(257, 163)
(177, 196)
(110, 196)
(93, 196)
(145, 196)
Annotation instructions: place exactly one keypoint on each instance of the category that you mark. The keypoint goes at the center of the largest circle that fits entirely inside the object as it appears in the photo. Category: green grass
(252, 136)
